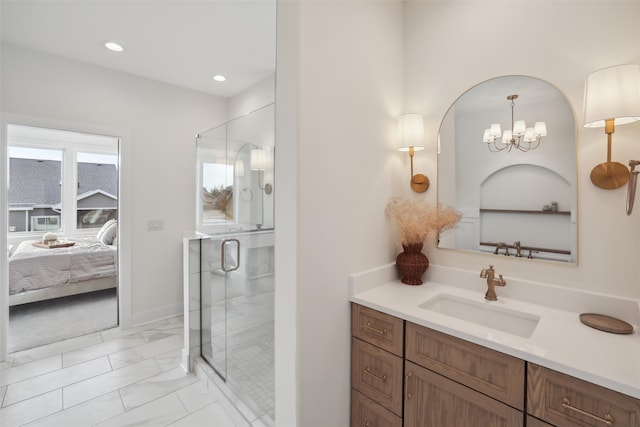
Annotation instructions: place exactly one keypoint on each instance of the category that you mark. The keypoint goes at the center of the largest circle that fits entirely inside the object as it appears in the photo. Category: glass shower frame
(235, 213)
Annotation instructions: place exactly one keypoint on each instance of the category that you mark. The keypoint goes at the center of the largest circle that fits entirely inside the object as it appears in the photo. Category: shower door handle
(223, 263)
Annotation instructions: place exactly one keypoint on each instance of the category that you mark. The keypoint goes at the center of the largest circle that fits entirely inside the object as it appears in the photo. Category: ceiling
(180, 42)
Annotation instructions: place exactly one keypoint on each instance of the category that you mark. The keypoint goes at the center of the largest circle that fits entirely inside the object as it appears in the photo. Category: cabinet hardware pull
(606, 418)
(407, 395)
(380, 331)
(380, 379)
(366, 424)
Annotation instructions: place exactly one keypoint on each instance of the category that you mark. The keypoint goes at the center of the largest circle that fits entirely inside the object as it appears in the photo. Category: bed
(37, 273)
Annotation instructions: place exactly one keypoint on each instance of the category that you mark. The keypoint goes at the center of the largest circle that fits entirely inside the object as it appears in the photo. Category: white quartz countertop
(559, 342)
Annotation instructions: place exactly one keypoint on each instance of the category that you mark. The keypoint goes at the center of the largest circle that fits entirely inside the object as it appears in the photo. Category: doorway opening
(62, 234)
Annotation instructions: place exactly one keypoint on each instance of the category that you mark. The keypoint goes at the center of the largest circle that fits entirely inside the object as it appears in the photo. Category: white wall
(159, 123)
(252, 98)
(451, 46)
(346, 69)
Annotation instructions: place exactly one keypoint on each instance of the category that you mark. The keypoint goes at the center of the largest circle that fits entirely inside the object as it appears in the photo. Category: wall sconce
(262, 160)
(611, 97)
(411, 139)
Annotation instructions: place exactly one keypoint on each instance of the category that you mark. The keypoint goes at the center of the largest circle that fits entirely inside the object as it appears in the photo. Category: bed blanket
(33, 268)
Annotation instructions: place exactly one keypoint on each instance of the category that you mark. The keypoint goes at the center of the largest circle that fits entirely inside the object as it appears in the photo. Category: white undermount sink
(484, 313)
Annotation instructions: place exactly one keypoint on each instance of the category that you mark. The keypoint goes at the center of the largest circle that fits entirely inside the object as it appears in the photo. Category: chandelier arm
(493, 150)
(496, 148)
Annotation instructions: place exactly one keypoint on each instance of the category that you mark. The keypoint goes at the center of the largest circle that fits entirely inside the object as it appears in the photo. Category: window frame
(70, 143)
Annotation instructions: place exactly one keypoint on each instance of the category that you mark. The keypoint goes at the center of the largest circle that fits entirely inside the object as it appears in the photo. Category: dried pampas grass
(415, 219)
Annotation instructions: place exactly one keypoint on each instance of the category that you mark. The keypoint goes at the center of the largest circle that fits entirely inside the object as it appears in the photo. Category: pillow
(110, 234)
(104, 228)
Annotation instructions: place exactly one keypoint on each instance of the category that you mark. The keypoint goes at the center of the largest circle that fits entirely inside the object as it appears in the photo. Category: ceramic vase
(412, 263)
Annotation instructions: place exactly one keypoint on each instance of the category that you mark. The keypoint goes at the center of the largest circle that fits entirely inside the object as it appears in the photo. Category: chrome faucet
(492, 282)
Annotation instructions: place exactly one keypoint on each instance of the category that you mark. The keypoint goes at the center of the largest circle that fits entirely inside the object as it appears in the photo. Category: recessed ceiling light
(219, 78)
(114, 46)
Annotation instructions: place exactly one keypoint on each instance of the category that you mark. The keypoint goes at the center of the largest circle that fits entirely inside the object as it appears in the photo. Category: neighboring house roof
(93, 192)
(34, 182)
(37, 182)
(96, 199)
(92, 176)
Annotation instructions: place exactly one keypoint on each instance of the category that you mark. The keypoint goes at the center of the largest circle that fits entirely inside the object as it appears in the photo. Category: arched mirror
(507, 161)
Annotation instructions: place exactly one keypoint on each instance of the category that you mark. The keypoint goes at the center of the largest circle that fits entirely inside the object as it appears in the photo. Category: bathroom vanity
(416, 361)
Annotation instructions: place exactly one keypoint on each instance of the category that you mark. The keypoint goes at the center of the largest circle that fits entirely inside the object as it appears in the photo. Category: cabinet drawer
(567, 401)
(490, 372)
(436, 401)
(366, 412)
(377, 374)
(377, 328)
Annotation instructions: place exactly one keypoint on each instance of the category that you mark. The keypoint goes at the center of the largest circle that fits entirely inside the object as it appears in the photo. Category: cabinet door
(377, 374)
(488, 371)
(432, 400)
(570, 402)
(367, 413)
(534, 422)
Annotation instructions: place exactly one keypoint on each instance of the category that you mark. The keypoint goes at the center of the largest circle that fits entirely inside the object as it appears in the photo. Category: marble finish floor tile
(29, 410)
(56, 348)
(146, 351)
(211, 415)
(101, 349)
(31, 369)
(195, 396)
(159, 385)
(112, 378)
(54, 380)
(160, 412)
(85, 414)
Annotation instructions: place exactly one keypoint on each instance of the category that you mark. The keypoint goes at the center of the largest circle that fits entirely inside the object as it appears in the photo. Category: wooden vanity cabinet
(403, 374)
(377, 349)
(562, 400)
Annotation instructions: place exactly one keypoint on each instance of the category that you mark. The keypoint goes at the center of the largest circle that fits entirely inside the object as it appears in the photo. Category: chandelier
(519, 136)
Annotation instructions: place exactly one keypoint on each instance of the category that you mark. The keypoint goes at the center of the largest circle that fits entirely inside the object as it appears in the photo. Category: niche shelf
(525, 211)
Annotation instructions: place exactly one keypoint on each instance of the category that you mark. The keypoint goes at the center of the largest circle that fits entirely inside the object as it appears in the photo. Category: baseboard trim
(160, 313)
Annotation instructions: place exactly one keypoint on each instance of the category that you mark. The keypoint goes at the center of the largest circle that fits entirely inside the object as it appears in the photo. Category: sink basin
(484, 313)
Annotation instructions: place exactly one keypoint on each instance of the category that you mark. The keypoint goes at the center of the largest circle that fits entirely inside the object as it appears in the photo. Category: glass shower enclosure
(235, 215)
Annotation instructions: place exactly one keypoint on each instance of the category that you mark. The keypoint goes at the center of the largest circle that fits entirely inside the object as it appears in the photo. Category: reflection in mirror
(514, 203)
(235, 192)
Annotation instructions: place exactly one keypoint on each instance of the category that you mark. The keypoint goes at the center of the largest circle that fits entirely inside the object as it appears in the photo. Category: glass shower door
(235, 163)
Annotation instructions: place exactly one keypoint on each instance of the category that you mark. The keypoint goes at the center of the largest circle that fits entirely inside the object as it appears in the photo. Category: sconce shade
(261, 160)
(612, 93)
(410, 132)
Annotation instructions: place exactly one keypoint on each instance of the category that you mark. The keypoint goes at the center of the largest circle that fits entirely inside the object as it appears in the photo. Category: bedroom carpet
(45, 322)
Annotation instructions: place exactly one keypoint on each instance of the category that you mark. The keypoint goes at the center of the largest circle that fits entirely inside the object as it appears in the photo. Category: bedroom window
(35, 177)
(61, 181)
(97, 194)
